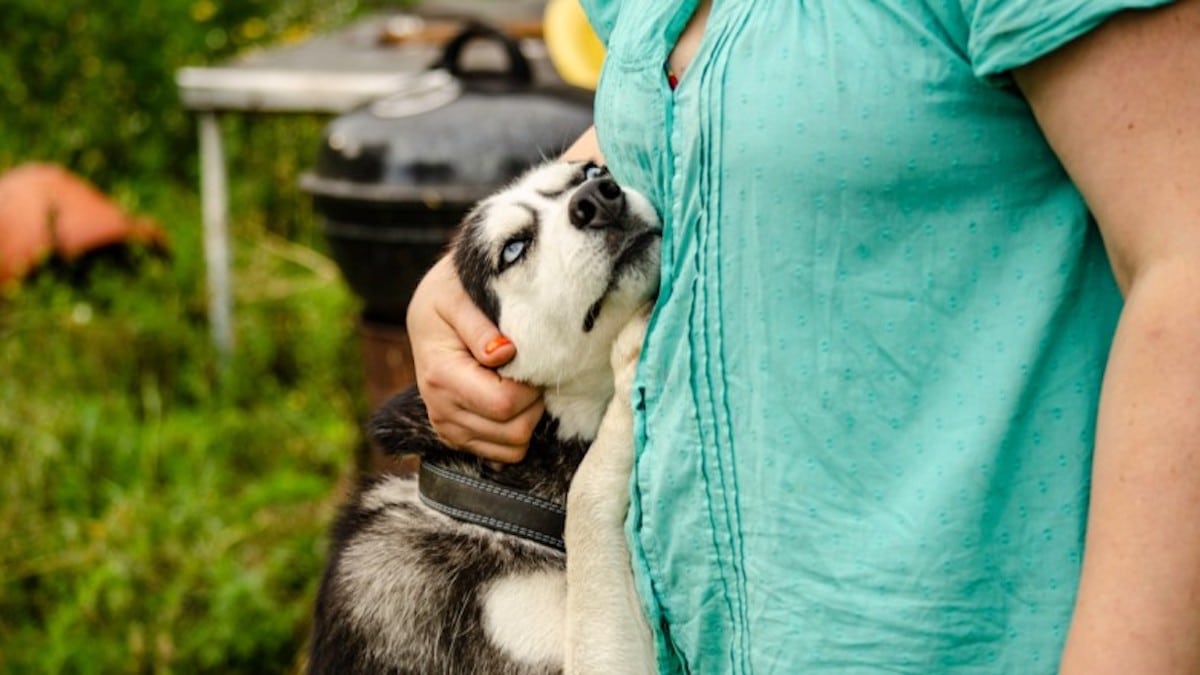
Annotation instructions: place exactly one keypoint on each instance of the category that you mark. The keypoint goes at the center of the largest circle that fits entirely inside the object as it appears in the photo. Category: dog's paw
(627, 349)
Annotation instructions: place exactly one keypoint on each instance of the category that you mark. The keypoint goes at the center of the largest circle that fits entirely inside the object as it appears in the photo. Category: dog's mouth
(630, 254)
(633, 251)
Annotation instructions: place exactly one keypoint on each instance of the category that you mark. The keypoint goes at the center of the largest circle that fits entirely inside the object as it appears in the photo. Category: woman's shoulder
(603, 16)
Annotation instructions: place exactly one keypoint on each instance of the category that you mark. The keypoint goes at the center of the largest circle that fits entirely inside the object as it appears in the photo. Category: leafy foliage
(161, 514)
(160, 517)
(91, 85)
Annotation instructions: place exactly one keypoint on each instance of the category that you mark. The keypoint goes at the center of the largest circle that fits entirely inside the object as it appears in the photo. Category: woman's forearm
(1138, 609)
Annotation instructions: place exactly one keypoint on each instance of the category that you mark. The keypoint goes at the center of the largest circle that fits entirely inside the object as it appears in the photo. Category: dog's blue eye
(592, 170)
(513, 251)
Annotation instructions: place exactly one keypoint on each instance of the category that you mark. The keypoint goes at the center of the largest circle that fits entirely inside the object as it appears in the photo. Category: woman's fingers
(455, 346)
(504, 442)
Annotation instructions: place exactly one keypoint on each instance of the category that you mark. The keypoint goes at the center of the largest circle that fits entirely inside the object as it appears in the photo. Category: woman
(900, 238)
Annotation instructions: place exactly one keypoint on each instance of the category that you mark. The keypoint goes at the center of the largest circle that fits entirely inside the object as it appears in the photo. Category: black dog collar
(491, 505)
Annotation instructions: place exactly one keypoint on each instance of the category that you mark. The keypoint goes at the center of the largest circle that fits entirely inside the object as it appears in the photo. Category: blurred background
(164, 501)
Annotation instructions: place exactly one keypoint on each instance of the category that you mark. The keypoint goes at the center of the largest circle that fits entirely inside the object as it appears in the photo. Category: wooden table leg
(214, 204)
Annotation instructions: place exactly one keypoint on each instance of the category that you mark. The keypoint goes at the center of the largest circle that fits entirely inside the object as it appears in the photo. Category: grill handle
(518, 71)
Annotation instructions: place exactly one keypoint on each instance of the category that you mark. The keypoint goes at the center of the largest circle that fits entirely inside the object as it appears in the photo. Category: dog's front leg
(606, 632)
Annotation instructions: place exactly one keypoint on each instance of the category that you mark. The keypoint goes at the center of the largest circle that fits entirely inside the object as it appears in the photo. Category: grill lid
(450, 136)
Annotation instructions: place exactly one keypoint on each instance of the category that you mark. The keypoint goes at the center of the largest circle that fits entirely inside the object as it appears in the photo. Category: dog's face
(560, 260)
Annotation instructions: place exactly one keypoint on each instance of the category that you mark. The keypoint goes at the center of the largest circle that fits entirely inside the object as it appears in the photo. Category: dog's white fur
(524, 615)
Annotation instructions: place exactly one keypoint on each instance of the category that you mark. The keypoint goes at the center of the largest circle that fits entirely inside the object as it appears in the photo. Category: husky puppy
(565, 262)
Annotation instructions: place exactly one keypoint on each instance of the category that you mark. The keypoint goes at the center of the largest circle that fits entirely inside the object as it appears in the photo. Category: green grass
(160, 515)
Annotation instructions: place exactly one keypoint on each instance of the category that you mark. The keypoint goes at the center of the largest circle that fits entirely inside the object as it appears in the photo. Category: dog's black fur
(467, 556)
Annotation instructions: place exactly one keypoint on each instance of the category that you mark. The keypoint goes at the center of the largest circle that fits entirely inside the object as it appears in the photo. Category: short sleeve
(1006, 34)
(602, 14)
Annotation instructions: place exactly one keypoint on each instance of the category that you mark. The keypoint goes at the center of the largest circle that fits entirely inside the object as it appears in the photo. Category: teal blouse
(865, 409)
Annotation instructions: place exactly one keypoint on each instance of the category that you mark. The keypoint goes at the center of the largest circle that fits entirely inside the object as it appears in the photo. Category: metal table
(327, 74)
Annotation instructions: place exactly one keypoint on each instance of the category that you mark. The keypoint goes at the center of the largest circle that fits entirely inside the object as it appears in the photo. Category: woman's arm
(455, 349)
(1121, 107)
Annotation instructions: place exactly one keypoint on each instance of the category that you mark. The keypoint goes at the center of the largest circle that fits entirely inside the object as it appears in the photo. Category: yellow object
(575, 51)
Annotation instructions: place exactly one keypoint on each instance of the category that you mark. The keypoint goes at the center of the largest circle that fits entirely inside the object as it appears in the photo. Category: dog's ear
(401, 426)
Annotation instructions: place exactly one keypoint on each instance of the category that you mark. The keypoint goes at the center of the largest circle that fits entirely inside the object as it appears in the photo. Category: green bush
(160, 514)
(91, 85)
(161, 517)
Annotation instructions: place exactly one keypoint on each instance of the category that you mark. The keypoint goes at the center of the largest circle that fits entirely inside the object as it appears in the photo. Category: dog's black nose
(598, 203)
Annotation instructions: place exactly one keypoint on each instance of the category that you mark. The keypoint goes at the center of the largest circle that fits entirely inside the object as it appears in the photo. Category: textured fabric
(865, 406)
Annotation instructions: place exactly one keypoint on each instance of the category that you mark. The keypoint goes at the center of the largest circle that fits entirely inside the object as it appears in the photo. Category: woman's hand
(455, 347)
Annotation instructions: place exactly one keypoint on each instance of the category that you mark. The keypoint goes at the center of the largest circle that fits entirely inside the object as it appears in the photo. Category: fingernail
(496, 343)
